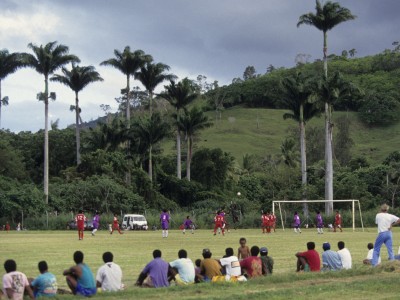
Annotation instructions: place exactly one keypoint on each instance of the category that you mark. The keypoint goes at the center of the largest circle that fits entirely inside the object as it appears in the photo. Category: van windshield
(139, 219)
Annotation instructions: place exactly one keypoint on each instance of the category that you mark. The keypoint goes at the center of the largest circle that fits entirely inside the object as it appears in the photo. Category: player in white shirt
(109, 276)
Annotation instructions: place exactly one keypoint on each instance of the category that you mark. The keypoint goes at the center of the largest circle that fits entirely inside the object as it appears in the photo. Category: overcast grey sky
(215, 38)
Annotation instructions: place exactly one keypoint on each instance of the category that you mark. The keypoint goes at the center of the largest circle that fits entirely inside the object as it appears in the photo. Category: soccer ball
(238, 193)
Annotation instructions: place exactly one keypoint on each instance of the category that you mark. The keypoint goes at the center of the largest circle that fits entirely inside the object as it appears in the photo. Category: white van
(134, 222)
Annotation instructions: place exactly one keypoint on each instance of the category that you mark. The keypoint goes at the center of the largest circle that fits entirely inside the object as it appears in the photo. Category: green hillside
(261, 131)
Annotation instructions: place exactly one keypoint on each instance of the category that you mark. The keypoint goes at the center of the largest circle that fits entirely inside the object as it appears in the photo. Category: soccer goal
(354, 204)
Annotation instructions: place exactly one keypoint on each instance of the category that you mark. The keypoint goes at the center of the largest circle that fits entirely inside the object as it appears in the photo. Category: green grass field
(133, 250)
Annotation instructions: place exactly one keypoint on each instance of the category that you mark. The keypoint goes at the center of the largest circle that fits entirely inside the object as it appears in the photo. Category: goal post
(353, 208)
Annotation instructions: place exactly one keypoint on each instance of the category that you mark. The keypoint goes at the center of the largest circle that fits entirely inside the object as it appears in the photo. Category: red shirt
(265, 219)
(313, 260)
(219, 219)
(115, 221)
(338, 219)
(252, 265)
(80, 221)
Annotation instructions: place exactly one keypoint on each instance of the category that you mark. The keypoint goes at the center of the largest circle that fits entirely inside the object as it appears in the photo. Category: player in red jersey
(264, 222)
(80, 223)
(219, 221)
(273, 221)
(116, 225)
(338, 222)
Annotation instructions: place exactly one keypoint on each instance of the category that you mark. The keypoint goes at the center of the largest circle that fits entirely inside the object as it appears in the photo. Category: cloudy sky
(215, 38)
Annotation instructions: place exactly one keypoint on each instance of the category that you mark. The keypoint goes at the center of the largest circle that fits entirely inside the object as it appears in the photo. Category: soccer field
(133, 249)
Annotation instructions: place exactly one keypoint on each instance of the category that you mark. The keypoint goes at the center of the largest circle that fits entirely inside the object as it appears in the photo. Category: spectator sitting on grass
(331, 260)
(267, 261)
(308, 260)
(15, 283)
(109, 275)
(45, 285)
(368, 259)
(252, 265)
(155, 273)
(185, 269)
(209, 267)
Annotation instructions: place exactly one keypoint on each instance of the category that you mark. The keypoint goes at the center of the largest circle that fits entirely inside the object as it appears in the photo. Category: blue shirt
(45, 285)
(331, 261)
(87, 279)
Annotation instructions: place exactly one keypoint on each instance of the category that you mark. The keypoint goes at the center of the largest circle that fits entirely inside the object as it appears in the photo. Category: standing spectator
(320, 223)
(116, 225)
(96, 222)
(80, 223)
(15, 283)
(184, 267)
(296, 222)
(209, 267)
(368, 259)
(345, 256)
(338, 222)
(331, 260)
(45, 285)
(385, 222)
(267, 261)
(231, 264)
(155, 273)
(164, 219)
(308, 260)
(253, 264)
(109, 275)
(243, 250)
(80, 278)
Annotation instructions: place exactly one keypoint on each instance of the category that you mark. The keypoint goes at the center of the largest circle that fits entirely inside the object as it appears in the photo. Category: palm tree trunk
(46, 140)
(150, 163)
(1, 102)
(178, 154)
(303, 161)
(77, 130)
(189, 157)
(128, 125)
(328, 142)
(151, 103)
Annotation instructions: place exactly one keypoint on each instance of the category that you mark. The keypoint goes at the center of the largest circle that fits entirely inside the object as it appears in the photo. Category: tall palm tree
(326, 18)
(191, 122)
(151, 75)
(77, 79)
(297, 94)
(9, 64)
(128, 63)
(148, 131)
(179, 95)
(46, 60)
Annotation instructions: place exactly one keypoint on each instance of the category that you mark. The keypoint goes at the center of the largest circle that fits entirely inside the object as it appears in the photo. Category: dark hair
(229, 252)
(10, 265)
(42, 265)
(242, 240)
(164, 210)
(295, 212)
(207, 254)
(318, 212)
(188, 217)
(310, 245)
(340, 245)
(156, 253)
(254, 250)
(80, 211)
(108, 257)
(197, 262)
(182, 253)
(78, 257)
(370, 246)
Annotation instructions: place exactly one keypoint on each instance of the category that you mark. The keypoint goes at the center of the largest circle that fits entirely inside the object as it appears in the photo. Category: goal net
(279, 209)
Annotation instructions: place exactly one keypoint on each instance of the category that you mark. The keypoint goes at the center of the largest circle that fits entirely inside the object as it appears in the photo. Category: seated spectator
(267, 261)
(345, 255)
(209, 267)
(308, 260)
(155, 273)
(15, 283)
(231, 264)
(45, 285)
(368, 259)
(109, 275)
(253, 264)
(80, 278)
(198, 277)
(331, 260)
(185, 269)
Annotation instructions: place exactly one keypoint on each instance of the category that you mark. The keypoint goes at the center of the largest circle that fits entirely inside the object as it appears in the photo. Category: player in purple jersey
(296, 222)
(320, 223)
(164, 219)
(188, 224)
(96, 222)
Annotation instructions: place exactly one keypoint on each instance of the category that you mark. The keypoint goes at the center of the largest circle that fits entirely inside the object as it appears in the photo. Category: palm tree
(326, 18)
(148, 131)
(191, 122)
(297, 92)
(73, 108)
(179, 95)
(151, 75)
(46, 60)
(128, 63)
(9, 64)
(77, 79)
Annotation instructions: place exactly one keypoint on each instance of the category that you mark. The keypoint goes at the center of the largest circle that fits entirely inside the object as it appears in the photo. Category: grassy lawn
(134, 249)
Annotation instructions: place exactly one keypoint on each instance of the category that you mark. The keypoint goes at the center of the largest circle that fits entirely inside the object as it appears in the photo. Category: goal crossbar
(354, 201)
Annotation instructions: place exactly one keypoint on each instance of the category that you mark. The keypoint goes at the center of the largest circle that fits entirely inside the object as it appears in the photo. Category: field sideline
(133, 249)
